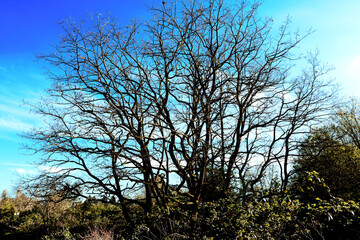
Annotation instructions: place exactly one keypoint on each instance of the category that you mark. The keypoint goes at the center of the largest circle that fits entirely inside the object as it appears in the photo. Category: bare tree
(347, 122)
(201, 89)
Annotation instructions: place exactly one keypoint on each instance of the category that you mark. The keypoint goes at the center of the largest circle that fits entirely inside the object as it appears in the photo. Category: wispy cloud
(31, 169)
(23, 171)
(50, 169)
(17, 164)
(14, 108)
(20, 81)
(11, 123)
(19, 168)
(15, 116)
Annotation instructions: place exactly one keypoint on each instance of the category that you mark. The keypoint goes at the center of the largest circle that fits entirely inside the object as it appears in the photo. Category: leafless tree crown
(156, 108)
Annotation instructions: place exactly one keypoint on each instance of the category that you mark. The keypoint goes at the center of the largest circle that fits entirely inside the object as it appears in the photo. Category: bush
(306, 211)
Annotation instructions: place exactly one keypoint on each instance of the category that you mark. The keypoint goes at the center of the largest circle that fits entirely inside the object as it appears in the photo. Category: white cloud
(14, 108)
(23, 171)
(50, 169)
(16, 116)
(12, 123)
(32, 169)
(17, 164)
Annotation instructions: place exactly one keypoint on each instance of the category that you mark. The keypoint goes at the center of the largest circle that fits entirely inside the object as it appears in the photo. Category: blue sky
(30, 27)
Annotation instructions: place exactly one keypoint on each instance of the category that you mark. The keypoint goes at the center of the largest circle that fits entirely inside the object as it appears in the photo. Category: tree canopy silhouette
(203, 88)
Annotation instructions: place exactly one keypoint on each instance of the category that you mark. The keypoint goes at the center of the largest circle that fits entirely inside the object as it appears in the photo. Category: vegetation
(186, 126)
(333, 152)
(305, 212)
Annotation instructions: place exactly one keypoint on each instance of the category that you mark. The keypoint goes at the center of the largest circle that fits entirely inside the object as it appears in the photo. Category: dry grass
(99, 233)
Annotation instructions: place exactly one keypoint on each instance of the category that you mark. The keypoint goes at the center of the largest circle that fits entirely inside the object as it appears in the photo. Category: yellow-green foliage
(304, 212)
(335, 158)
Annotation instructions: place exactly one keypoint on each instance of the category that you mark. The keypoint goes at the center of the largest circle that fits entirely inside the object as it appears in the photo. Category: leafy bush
(306, 211)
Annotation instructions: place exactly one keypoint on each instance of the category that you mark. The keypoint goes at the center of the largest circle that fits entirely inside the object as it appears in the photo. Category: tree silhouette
(202, 85)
